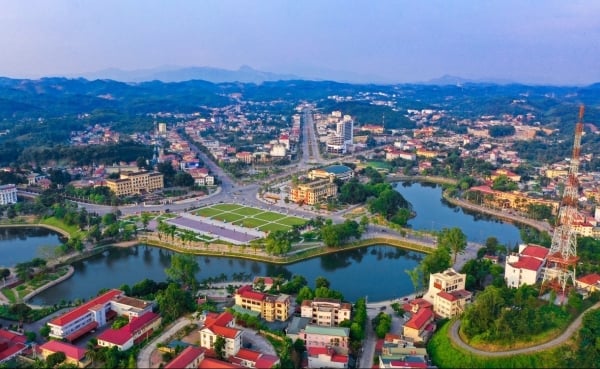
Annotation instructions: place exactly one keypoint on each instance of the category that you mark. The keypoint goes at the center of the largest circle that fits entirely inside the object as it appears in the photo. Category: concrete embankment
(50, 284)
(34, 225)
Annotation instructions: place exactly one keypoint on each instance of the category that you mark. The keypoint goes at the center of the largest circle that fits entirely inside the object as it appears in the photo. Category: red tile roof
(187, 356)
(266, 362)
(246, 292)
(446, 296)
(122, 335)
(422, 317)
(209, 363)
(589, 279)
(528, 262)
(81, 331)
(84, 309)
(536, 251)
(11, 350)
(11, 336)
(248, 355)
(339, 358)
(224, 331)
(71, 351)
(317, 350)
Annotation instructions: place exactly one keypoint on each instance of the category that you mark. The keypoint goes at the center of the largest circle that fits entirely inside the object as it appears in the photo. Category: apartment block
(313, 192)
(326, 312)
(131, 183)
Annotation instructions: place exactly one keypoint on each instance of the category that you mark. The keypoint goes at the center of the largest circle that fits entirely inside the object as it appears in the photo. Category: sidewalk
(143, 360)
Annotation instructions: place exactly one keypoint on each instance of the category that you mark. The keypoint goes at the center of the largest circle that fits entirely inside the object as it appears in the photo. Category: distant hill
(447, 79)
(244, 74)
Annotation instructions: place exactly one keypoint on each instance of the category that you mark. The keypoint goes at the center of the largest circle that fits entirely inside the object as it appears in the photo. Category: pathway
(143, 360)
(566, 335)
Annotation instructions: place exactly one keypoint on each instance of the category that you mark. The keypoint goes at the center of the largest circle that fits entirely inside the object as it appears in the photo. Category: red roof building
(526, 266)
(221, 325)
(135, 331)
(189, 358)
(210, 363)
(74, 355)
(416, 325)
(84, 318)
(590, 282)
(11, 344)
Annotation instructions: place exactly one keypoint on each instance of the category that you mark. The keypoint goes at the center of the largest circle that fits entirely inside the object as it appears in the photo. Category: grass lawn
(208, 212)
(250, 223)
(227, 207)
(274, 227)
(71, 229)
(270, 216)
(379, 165)
(228, 217)
(290, 221)
(248, 211)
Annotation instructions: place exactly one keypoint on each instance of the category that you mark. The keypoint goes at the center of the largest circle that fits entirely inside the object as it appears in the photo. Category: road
(572, 328)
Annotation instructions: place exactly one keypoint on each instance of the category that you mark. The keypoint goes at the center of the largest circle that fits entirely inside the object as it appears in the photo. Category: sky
(392, 41)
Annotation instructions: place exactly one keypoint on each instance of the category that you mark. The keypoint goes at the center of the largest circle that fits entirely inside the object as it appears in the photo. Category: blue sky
(549, 42)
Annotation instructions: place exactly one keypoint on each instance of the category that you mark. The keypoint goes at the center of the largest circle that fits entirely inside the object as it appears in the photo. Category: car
(383, 307)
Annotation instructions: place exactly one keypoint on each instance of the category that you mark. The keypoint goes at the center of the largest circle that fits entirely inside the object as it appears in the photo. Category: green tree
(453, 239)
(322, 282)
(219, 347)
(56, 358)
(183, 270)
(145, 218)
(174, 302)
(416, 277)
(437, 261)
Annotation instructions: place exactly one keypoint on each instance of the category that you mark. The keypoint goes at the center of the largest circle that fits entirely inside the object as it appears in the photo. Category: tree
(183, 270)
(454, 239)
(174, 302)
(219, 347)
(56, 358)
(416, 277)
(305, 293)
(21, 311)
(322, 282)
(145, 217)
(437, 261)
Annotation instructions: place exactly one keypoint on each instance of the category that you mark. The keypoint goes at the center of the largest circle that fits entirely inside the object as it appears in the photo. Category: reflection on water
(21, 244)
(377, 271)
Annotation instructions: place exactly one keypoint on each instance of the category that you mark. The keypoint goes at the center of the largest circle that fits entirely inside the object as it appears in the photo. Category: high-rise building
(8, 194)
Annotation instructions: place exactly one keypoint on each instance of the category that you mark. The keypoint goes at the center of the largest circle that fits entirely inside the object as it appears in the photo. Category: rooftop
(328, 331)
(185, 357)
(122, 335)
(84, 309)
(71, 351)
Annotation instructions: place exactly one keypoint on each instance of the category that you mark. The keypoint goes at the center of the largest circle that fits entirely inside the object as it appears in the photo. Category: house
(137, 330)
(96, 313)
(589, 283)
(189, 358)
(447, 293)
(418, 327)
(222, 325)
(324, 357)
(11, 344)
(254, 359)
(331, 337)
(325, 312)
(398, 353)
(74, 355)
(264, 283)
(270, 307)
(84, 318)
(525, 267)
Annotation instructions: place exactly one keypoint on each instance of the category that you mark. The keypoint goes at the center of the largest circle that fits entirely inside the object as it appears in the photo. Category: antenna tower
(562, 258)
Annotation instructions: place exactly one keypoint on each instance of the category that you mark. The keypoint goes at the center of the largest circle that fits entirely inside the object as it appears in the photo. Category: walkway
(143, 360)
(566, 335)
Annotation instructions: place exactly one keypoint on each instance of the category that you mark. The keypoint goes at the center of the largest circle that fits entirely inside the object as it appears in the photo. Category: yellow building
(73, 354)
(131, 183)
(314, 192)
(510, 200)
(270, 307)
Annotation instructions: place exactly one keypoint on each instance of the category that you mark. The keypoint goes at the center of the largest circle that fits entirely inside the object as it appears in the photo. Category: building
(74, 355)
(313, 192)
(419, 328)
(525, 267)
(340, 172)
(447, 293)
(253, 359)
(325, 312)
(8, 194)
(588, 283)
(11, 344)
(189, 358)
(95, 313)
(137, 330)
(336, 338)
(221, 325)
(345, 129)
(278, 150)
(336, 144)
(508, 200)
(162, 128)
(398, 353)
(326, 357)
(131, 183)
(270, 307)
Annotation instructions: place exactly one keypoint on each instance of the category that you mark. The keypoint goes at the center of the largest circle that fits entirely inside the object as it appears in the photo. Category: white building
(526, 266)
(221, 325)
(326, 312)
(278, 150)
(8, 194)
(447, 293)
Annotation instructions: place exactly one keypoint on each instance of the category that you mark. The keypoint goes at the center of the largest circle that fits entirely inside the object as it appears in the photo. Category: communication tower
(562, 258)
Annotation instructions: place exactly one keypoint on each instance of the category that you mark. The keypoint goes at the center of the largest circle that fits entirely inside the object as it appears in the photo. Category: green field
(250, 217)
(248, 211)
(270, 216)
(227, 207)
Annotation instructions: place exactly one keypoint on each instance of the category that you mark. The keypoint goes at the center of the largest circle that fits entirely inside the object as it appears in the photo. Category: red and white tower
(562, 258)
